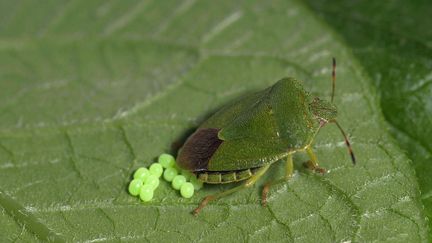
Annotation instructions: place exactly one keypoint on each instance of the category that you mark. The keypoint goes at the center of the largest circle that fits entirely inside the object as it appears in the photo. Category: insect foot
(203, 203)
(312, 166)
(264, 194)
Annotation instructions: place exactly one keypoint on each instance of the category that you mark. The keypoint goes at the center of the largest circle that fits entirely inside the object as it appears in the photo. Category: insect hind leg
(251, 181)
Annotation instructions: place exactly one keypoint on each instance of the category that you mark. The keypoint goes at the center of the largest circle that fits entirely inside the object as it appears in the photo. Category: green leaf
(91, 90)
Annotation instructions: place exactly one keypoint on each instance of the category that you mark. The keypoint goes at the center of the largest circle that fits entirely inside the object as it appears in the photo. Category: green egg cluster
(146, 180)
(182, 180)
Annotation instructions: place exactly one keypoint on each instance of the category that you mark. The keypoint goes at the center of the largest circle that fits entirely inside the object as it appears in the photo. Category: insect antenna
(346, 142)
(333, 79)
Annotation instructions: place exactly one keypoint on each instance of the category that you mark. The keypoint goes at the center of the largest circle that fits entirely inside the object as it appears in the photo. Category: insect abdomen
(217, 177)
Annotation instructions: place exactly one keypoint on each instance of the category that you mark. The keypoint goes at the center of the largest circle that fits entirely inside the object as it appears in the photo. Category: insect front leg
(249, 182)
(313, 162)
(289, 168)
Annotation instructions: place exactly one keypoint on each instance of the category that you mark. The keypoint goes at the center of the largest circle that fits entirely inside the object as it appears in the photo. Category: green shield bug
(242, 140)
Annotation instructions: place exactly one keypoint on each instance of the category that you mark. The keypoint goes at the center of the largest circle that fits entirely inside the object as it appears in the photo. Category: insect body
(241, 141)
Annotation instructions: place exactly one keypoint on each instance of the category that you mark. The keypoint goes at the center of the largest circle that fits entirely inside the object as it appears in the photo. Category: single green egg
(153, 181)
(187, 190)
(156, 169)
(166, 160)
(178, 181)
(135, 186)
(146, 193)
(141, 173)
(169, 174)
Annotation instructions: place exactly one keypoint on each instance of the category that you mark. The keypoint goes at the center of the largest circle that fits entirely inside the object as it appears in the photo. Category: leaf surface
(91, 90)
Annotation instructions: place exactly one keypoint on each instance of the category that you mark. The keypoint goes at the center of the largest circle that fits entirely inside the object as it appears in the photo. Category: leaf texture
(91, 90)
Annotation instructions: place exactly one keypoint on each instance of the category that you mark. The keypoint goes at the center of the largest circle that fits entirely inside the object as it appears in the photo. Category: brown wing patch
(198, 149)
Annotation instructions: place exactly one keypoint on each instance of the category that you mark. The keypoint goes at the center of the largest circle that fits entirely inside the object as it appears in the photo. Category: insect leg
(313, 162)
(289, 167)
(247, 184)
